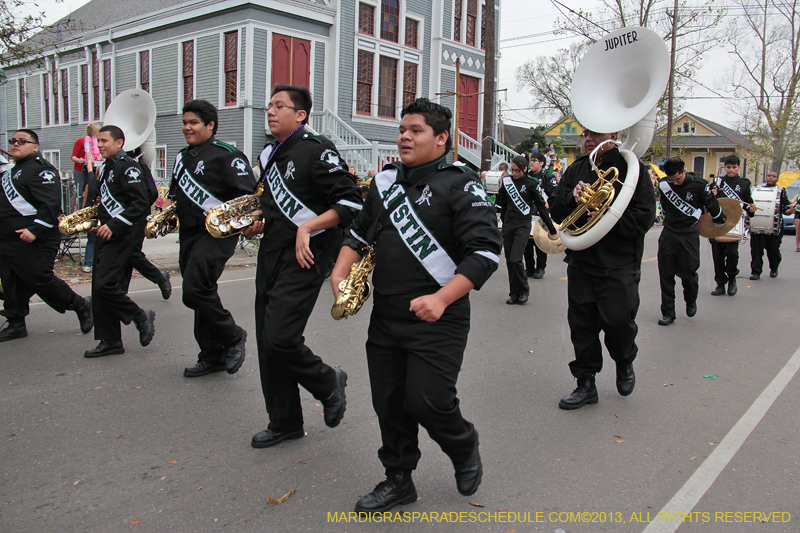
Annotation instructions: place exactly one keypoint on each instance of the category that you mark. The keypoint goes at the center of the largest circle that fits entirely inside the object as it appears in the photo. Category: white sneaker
(87, 269)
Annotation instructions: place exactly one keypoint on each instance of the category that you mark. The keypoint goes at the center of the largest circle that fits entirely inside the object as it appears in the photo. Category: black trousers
(772, 243)
(27, 269)
(515, 237)
(678, 254)
(535, 258)
(110, 302)
(202, 260)
(138, 260)
(726, 260)
(413, 371)
(285, 298)
(602, 303)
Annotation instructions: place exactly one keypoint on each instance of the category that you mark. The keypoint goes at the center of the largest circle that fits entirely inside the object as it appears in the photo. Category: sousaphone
(134, 112)
(639, 61)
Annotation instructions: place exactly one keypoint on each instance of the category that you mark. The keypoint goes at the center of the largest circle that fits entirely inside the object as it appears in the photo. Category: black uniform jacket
(205, 174)
(737, 188)
(120, 185)
(303, 179)
(683, 204)
(31, 198)
(445, 211)
(530, 191)
(623, 245)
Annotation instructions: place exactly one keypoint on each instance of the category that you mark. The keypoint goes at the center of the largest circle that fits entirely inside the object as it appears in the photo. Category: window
(409, 83)
(364, 84)
(144, 70)
(472, 19)
(412, 33)
(188, 71)
(107, 82)
(291, 60)
(160, 167)
(568, 129)
(23, 115)
(390, 20)
(231, 40)
(54, 83)
(46, 94)
(387, 87)
(366, 19)
(483, 26)
(85, 91)
(54, 156)
(65, 94)
(96, 86)
(459, 7)
(700, 165)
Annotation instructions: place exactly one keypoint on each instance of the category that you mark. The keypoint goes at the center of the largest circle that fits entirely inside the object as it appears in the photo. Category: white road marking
(697, 485)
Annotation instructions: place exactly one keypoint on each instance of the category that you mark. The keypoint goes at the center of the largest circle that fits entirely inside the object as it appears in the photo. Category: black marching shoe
(335, 405)
(469, 473)
(165, 285)
(538, 273)
(83, 308)
(523, 298)
(267, 438)
(234, 355)
(528, 274)
(755, 277)
(145, 323)
(732, 287)
(201, 368)
(719, 291)
(626, 379)
(666, 320)
(513, 300)
(105, 348)
(691, 309)
(15, 329)
(773, 274)
(585, 392)
(397, 489)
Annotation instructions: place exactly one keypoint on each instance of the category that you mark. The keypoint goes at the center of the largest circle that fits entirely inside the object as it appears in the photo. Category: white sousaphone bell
(134, 112)
(617, 86)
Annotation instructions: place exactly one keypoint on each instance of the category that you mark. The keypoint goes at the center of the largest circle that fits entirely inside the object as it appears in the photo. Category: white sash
(682, 205)
(112, 206)
(15, 198)
(193, 190)
(288, 204)
(516, 197)
(728, 191)
(417, 238)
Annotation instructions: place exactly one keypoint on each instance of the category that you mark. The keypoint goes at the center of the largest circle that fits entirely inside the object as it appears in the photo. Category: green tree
(536, 136)
(25, 38)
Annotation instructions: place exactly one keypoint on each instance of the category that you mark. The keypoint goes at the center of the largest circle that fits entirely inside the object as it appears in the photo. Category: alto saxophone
(355, 289)
(162, 223)
(233, 216)
(80, 220)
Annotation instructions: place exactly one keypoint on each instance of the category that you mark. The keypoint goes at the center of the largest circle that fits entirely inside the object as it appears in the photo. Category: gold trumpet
(597, 197)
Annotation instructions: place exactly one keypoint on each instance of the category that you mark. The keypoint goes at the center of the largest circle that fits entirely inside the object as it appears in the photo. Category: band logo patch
(133, 174)
(425, 197)
(200, 168)
(239, 164)
(290, 170)
(47, 175)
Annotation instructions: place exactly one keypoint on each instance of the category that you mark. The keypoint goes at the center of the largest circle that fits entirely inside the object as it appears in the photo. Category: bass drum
(767, 220)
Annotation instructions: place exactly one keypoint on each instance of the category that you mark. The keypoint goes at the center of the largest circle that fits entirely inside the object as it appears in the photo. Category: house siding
(164, 79)
(33, 86)
(207, 68)
(319, 76)
(126, 72)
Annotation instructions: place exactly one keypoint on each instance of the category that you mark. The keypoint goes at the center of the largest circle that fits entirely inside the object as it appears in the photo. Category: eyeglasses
(278, 107)
(516, 170)
(19, 142)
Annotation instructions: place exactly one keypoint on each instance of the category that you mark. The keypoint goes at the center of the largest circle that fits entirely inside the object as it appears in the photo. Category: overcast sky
(522, 18)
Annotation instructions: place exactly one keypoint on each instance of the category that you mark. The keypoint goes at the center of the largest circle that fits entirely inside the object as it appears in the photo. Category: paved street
(126, 443)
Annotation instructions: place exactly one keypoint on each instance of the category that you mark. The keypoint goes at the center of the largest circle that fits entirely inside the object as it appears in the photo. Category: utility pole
(671, 80)
(488, 88)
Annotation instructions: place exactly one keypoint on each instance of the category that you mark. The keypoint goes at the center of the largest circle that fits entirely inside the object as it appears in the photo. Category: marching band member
(536, 258)
(726, 254)
(517, 197)
(29, 239)
(307, 190)
(683, 200)
(208, 173)
(603, 280)
(759, 241)
(436, 239)
(123, 199)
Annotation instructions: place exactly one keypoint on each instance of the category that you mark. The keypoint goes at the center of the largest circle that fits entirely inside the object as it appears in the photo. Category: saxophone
(80, 220)
(233, 216)
(354, 290)
(162, 223)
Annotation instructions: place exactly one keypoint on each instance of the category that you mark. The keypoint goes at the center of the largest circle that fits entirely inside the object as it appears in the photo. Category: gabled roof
(513, 135)
(724, 137)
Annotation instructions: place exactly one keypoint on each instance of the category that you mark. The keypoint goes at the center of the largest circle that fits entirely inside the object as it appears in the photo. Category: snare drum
(736, 234)
(767, 219)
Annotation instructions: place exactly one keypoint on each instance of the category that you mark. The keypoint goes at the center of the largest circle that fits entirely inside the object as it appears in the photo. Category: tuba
(640, 60)
(354, 290)
(79, 221)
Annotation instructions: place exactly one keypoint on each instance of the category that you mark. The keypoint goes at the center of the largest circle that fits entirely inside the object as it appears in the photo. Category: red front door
(291, 60)
(468, 107)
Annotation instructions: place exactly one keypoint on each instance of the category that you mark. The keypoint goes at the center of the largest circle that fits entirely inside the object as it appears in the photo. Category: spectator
(91, 158)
